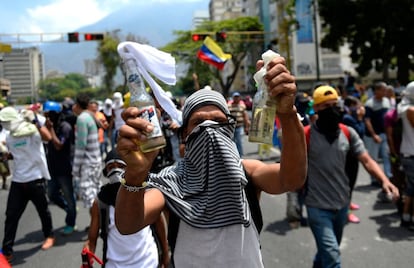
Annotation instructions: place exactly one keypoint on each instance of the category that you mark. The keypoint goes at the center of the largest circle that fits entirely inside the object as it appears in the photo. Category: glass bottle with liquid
(264, 107)
(263, 115)
(141, 99)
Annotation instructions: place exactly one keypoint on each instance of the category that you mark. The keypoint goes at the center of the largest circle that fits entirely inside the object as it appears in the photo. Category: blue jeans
(60, 191)
(327, 227)
(114, 138)
(238, 134)
(375, 149)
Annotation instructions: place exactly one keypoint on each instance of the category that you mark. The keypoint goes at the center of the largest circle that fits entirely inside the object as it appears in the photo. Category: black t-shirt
(60, 161)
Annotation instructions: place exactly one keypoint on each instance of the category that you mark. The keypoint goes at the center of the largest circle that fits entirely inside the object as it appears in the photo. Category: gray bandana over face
(205, 189)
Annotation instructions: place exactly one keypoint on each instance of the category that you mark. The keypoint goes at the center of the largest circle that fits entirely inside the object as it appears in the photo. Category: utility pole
(315, 25)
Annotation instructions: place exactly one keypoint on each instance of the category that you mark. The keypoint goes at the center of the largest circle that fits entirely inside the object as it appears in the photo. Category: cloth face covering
(328, 122)
(115, 175)
(205, 189)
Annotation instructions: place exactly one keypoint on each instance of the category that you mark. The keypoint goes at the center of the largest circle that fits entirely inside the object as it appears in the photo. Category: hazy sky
(56, 16)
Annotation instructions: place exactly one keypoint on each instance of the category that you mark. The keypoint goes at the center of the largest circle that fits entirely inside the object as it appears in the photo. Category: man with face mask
(30, 173)
(327, 195)
(205, 190)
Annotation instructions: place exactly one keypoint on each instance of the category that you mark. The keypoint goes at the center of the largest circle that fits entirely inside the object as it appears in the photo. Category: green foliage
(109, 57)
(379, 32)
(70, 85)
(238, 45)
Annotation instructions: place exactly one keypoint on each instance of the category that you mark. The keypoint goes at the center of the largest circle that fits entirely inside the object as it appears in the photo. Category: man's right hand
(130, 136)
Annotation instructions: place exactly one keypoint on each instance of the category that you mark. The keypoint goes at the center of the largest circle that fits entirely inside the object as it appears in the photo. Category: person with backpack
(135, 250)
(206, 189)
(327, 191)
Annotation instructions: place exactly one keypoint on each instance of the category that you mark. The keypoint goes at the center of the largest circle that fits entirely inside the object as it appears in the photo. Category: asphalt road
(376, 242)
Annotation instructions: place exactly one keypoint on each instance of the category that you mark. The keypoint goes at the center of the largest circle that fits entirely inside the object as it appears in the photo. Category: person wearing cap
(205, 190)
(406, 112)
(238, 110)
(30, 173)
(327, 189)
(59, 157)
(135, 250)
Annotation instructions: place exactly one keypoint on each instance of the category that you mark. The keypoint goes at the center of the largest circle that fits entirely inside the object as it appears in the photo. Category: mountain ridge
(154, 22)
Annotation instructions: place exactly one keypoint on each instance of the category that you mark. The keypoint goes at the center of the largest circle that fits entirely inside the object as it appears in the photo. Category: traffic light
(221, 37)
(94, 36)
(198, 37)
(73, 37)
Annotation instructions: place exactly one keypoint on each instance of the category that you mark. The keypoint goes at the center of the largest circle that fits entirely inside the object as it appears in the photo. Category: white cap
(117, 95)
(108, 101)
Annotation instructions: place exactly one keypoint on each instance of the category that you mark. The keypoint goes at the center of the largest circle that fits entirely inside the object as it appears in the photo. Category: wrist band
(133, 189)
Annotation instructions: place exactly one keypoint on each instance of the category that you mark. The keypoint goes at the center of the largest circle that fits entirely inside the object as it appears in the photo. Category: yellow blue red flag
(212, 53)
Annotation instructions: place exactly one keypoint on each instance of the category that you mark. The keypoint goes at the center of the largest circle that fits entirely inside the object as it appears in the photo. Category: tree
(57, 88)
(109, 57)
(379, 33)
(238, 45)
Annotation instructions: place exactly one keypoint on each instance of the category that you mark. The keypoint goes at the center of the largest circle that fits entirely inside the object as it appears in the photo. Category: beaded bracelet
(133, 189)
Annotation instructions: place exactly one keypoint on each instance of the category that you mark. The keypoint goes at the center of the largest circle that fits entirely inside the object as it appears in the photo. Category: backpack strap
(103, 224)
(306, 129)
(345, 130)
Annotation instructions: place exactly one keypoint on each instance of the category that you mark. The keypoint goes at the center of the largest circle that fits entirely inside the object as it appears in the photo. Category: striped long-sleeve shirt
(87, 152)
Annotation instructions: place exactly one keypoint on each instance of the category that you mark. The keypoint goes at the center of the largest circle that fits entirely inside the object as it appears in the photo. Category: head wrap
(205, 188)
(14, 122)
(407, 98)
(200, 98)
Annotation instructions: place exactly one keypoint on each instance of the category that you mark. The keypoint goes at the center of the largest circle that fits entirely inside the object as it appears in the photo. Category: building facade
(301, 46)
(24, 68)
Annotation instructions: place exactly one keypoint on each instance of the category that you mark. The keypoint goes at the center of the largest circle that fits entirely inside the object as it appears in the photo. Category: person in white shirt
(30, 172)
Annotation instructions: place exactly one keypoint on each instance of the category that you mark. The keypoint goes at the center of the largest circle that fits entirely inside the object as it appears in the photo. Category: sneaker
(49, 242)
(68, 230)
(352, 218)
(353, 206)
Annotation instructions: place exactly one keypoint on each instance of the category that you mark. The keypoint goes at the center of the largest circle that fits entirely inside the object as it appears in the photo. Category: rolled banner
(158, 63)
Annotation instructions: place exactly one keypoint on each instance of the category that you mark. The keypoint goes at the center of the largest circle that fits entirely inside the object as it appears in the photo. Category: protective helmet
(52, 106)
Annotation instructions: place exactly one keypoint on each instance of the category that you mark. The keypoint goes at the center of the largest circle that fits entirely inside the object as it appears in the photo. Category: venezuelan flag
(211, 53)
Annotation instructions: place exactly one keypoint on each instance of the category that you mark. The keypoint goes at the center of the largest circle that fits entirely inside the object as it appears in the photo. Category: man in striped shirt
(205, 190)
(87, 160)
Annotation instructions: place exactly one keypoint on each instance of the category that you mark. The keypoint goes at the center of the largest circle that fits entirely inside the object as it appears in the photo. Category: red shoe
(353, 206)
(352, 218)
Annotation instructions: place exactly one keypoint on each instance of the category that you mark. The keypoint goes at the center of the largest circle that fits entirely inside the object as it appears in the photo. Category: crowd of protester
(75, 145)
